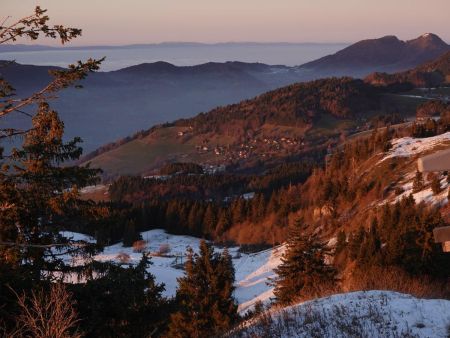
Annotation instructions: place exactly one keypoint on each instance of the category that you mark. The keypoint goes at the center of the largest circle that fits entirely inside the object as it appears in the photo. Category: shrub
(399, 191)
(164, 249)
(123, 257)
(139, 246)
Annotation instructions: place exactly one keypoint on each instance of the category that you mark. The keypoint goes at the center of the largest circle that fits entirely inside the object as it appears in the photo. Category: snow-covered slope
(410, 146)
(253, 271)
(426, 195)
(411, 149)
(357, 314)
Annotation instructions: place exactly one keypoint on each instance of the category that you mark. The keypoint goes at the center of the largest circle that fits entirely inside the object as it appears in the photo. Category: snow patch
(370, 314)
(253, 271)
(409, 146)
(425, 195)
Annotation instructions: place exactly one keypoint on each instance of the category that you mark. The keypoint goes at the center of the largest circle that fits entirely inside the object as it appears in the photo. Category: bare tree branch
(47, 314)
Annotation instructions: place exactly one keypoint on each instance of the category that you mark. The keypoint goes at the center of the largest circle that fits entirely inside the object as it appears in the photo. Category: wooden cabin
(442, 235)
(439, 161)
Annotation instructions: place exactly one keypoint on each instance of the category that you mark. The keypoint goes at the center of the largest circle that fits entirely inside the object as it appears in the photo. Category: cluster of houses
(185, 131)
(252, 146)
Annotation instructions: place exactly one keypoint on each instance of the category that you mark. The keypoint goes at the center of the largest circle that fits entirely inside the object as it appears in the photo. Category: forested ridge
(215, 206)
(297, 107)
(302, 107)
(433, 73)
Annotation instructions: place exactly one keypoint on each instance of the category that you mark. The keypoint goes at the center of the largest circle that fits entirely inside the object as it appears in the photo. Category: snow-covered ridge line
(409, 146)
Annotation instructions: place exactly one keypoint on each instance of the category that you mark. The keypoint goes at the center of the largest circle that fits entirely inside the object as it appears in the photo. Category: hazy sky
(149, 21)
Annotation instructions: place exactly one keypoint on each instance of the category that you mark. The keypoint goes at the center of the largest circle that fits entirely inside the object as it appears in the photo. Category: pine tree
(303, 269)
(371, 245)
(204, 295)
(185, 322)
(42, 194)
(418, 182)
(123, 302)
(436, 184)
(36, 193)
(341, 242)
(209, 220)
(225, 309)
(223, 223)
(130, 234)
(355, 243)
(238, 210)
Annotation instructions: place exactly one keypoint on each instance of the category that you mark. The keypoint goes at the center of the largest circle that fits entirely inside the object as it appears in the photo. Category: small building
(439, 161)
(442, 235)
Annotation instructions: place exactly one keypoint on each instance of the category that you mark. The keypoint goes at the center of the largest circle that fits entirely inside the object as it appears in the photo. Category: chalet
(442, 235)
(439, 161)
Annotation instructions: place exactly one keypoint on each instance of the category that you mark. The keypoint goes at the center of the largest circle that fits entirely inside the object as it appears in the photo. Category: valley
(134, 98)
(191, 190)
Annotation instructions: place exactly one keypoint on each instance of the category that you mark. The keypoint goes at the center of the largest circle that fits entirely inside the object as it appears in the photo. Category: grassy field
(140, 155)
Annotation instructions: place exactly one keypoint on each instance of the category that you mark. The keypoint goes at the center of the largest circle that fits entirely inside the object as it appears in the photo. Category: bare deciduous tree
(47, 314)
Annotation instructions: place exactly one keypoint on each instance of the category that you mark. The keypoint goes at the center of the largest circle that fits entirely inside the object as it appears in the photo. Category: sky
(118, 22)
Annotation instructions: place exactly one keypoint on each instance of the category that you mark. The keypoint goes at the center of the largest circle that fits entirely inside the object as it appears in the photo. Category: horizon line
(178, 43)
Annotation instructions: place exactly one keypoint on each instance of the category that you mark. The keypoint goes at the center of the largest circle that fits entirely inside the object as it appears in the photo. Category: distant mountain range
(387, 54)
(115, 104)
(279, 125)
(30, 48)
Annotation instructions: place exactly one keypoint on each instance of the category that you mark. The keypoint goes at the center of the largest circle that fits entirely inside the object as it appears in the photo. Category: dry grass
(395, 279)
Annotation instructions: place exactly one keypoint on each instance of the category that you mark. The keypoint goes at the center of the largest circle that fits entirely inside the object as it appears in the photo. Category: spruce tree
(38, 195)
(436, 184)
(123, 302)
(225, 310)
(341, 241)
(371, 245)
(130, 234)
(205, 306)
(418, 182)
(303, 268)
(42, 196)
(223, 223)
(355, 242)
(209, 220)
